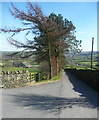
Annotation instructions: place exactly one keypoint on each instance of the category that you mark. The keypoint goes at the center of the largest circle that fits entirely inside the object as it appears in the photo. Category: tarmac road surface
(66, 98)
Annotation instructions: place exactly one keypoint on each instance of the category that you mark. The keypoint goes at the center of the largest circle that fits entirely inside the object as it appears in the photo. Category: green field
(19, 68)
(82, 60)
(88, 63)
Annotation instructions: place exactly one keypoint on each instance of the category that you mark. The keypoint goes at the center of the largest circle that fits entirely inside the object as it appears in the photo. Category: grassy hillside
(82, 60)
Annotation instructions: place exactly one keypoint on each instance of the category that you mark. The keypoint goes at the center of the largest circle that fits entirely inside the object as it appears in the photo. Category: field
(82, 60)
(19, 68)
(79, 60)
(16, 63)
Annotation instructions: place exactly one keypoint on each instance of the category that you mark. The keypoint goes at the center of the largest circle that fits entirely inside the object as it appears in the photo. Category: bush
(44, 68)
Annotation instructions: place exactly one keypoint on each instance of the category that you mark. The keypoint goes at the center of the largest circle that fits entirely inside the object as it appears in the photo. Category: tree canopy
(52, 36)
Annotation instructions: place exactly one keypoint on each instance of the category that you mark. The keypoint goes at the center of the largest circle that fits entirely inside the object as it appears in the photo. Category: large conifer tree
(53, 36)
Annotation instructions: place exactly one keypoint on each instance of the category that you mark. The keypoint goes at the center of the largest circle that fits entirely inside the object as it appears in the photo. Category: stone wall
(91, 77)
(9, 79)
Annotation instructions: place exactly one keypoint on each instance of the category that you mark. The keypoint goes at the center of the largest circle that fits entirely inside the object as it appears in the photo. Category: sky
(82, 14)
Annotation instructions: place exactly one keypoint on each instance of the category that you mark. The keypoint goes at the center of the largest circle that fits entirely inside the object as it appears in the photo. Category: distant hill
(4, 54)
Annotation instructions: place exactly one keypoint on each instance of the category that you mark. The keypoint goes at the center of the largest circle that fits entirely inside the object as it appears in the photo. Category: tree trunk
(54, 65)
(50, 68)
(57, 66)
(53, 61)
(50, 65)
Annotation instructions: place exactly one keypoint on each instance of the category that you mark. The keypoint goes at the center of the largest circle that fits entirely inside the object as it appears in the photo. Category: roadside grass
(58, 77)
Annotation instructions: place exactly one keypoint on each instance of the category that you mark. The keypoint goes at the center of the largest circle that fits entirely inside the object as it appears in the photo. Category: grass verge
(58, 77)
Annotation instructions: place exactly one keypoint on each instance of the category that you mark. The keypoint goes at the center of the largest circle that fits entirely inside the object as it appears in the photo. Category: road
(66, 98)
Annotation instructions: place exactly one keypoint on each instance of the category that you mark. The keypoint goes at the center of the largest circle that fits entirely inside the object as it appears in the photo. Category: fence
(9, 79)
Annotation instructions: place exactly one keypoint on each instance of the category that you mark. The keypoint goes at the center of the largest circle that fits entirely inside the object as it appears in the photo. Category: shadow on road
(91, 95)
(48, 103)
(54, 104)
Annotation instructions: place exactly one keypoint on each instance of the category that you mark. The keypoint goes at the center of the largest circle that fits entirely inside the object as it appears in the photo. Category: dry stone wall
(9, 79)
(91, 77)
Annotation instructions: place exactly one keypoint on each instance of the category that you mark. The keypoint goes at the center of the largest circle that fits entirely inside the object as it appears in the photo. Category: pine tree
(53, 36)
